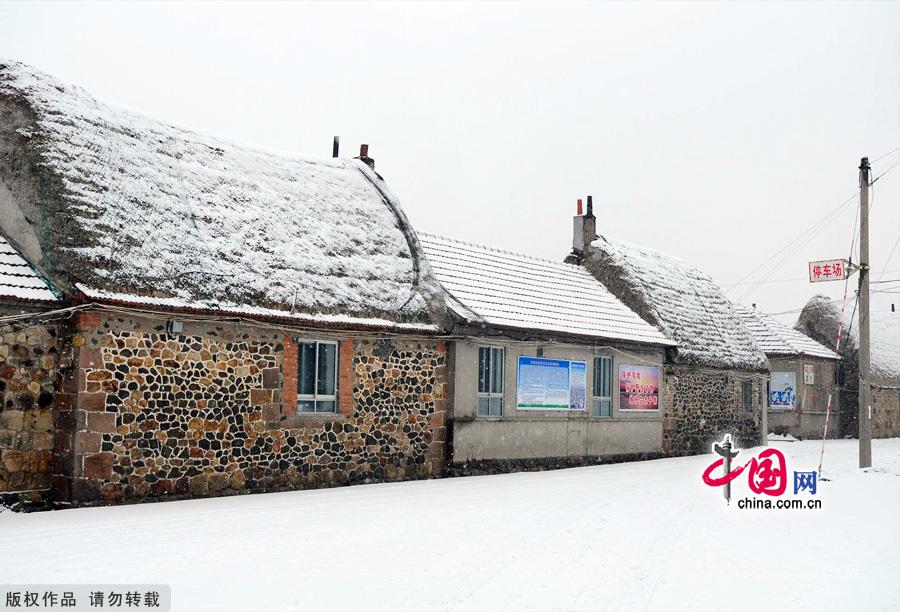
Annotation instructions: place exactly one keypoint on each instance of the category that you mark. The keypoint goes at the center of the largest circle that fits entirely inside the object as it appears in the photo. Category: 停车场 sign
(828, 270)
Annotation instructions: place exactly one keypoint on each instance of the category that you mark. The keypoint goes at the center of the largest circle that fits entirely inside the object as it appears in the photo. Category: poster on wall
(783, 390)
(638, 387)
(551, 384)
(809, 374)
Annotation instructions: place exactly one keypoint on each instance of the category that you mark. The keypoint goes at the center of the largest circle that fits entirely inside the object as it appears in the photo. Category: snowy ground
(645, 536)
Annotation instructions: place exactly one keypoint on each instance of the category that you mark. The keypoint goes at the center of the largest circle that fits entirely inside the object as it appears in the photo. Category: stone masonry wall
(885, 412)
(212, 411)
(30, 363)
(701, 405)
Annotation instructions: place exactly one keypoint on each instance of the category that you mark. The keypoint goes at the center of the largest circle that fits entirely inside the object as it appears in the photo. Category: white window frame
(597, 398)
(316, 397)
(491, 394)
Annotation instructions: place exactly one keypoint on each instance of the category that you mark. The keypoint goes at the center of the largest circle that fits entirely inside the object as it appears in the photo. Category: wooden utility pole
(865, 404)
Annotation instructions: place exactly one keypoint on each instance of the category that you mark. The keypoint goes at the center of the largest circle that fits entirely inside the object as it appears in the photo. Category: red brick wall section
(290, 376)
(345, 376)
(87, 320)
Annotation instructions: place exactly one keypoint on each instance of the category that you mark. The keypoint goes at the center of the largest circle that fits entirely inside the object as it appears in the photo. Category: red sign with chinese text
(828, 270)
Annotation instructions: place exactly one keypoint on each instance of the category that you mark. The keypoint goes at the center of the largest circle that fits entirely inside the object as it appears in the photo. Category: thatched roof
(110, 201)
(821, 319)
(679, 299)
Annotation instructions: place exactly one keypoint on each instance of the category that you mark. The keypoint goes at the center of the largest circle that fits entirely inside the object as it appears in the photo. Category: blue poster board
(551, 384)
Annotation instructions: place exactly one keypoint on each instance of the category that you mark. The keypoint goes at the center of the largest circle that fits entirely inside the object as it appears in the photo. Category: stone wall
(701, 405)
(807, 419)
(30, 363)
(212, 411)
(885, 412)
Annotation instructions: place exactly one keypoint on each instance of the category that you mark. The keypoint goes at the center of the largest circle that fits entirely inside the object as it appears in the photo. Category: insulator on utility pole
(865, 391)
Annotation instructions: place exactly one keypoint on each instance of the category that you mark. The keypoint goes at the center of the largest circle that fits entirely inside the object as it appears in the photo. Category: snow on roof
(514, 290)
(18, 280)
(139, 207)
(236, 310)
(821, 318)
(776, 338)
(680, 300)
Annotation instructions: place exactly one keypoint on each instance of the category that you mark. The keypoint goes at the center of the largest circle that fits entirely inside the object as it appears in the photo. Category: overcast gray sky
(714, 132)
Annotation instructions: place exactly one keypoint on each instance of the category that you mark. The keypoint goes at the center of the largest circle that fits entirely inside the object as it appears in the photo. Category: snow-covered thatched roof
(513, 290)
(821, 319)
(112, 202)
(776, 339)
(680, 300)
(18, 281)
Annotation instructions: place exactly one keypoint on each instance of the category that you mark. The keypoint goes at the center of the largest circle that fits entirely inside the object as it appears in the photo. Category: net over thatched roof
(116, 204)
(682, 301)
(821, 319)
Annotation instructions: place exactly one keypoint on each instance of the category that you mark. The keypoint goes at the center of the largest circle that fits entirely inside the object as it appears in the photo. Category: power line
(798, 246)
(888, 260)
(891, 167)
(796, 310)
(879, 158)
(801, 239)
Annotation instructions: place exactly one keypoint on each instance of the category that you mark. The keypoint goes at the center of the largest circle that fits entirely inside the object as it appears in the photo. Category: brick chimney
(364, 156)
(584, 229)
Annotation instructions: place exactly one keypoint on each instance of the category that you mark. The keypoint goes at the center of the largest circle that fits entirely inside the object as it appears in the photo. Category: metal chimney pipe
(336, 146)
(590, 206)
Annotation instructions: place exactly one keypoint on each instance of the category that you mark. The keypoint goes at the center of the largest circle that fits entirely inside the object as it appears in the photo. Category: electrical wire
(880, 157)
(814, 227)
(891, 167)
(888, 260)
(793, 247)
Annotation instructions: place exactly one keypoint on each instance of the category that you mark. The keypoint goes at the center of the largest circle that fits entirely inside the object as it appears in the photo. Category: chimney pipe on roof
(364, 156)
(584, 230)
(580, 212)
(336, 146)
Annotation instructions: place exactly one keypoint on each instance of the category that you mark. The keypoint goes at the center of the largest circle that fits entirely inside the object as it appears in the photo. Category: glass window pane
(606, 380)
(327, 368)
(496, 406)
(326, 406)
(484, 406)
(306, 406)
(484, 362)
(601, 408)
(497, 370)
(306, 368)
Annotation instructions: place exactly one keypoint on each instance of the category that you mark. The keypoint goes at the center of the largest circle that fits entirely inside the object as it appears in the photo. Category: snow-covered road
(645, 536)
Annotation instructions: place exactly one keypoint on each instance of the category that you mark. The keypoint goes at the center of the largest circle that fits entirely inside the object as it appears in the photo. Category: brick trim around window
(345, 376)
(290, 376)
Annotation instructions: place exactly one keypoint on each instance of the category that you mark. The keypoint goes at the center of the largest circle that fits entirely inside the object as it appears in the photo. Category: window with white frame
(490, 380)
(317, 376)
(602, 405)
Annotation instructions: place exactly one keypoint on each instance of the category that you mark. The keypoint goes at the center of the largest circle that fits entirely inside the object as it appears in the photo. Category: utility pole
(865, 406)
